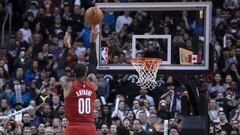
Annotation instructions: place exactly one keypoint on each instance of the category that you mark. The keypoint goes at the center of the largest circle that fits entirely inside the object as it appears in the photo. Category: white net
(147, 69)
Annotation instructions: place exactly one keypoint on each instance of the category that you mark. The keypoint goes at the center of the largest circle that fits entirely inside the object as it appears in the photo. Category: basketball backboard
(177, 32)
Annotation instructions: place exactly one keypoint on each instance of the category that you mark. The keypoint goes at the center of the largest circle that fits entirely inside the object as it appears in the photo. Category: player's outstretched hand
(67, 40)
(94, 34)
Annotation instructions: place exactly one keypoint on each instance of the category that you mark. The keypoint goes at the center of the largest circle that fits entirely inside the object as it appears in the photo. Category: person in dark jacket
(137, 128)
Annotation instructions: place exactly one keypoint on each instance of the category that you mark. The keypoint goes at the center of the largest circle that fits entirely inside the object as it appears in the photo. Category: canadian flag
(194, 59)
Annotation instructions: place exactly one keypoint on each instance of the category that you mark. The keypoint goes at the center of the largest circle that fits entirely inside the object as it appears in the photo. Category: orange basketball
(93, 16)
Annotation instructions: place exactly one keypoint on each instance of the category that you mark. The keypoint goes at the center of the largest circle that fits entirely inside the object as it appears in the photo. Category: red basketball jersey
(79, 104)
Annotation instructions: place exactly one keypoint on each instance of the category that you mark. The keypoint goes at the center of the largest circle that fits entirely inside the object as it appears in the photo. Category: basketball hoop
(147, 69)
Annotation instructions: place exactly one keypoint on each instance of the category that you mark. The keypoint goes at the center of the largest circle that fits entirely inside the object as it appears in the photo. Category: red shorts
(80, 129)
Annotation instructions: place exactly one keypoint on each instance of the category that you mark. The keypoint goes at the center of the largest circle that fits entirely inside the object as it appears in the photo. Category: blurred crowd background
(32, 56)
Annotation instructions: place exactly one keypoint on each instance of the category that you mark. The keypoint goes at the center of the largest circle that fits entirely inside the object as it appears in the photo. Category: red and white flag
(194, 59)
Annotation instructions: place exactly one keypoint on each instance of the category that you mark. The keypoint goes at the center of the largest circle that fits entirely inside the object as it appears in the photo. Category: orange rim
(146, 62)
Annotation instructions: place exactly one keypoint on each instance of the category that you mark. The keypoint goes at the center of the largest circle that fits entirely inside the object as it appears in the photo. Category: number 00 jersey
(79, 104)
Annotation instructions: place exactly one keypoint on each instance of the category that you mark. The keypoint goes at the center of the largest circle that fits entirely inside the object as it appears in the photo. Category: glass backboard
(178, 33)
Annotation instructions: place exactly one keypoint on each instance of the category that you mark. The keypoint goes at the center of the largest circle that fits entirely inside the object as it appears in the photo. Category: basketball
(93, 16)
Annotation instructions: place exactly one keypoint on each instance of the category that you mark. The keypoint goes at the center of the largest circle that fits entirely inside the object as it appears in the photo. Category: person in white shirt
(26, 31)
(79, 48)
(121, 20)
(120, 112)
(213, 110)
(34, 8)
(143, 93)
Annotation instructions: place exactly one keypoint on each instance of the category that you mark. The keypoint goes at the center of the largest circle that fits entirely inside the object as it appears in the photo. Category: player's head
(79, 70)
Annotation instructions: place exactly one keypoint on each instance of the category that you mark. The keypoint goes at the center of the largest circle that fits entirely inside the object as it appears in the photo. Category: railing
(8, 16)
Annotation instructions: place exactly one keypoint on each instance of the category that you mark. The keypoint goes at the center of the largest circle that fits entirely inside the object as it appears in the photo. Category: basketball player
(79, 95)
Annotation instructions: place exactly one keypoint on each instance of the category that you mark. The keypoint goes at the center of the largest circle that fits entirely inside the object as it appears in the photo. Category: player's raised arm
(93, 56)
(66, 85)
(65, 80)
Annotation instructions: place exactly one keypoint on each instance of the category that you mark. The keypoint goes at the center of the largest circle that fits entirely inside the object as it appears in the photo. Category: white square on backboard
(168, 37)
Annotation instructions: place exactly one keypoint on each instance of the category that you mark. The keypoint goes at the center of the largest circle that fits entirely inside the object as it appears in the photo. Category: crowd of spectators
(32, 60)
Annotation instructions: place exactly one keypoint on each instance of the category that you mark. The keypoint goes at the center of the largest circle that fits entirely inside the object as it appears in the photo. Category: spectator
(44, 96)
(22, 61)
(223, 132)
(12, 126)
(18, 76)
(97, 120)
(79, 48)
(78, 19)
(234, 132)
(5, 108)
(35, 119)
(154, 122)
(26, 31)
(137, 128)
(136, 105)
(33, 130)
(104, 129)
(122, 131)
(234, 125)
(103, 88)
(223, 122)
(67, 15)
(116, 121)
(145, 125)
(120, 113)
(55, 104)
(121, 20)
(7, 92)
(40, 129)
(26, 119)
(37, 47)
(175, 102)
(113, 130)
(143, 94)
(130, 114)
(163, 111)
(109, 20)
(21, 41)
(49, 131)
(127, 123)
(106, 114)
(56, 124)
(23, 97)
(27, 131)
(173, 131)
(46, 115)
(33, 7)
(213, 110)
(217, 86)
(85, 35)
